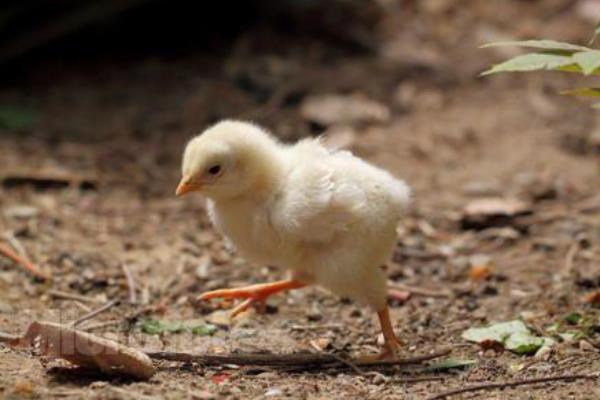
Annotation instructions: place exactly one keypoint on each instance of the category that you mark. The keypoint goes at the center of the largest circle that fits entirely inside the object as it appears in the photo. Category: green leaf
(497, 332)
(590, 92)
(589, 61)
(571, 336)
(15, 118)
(523, 343)
(203, 329)
(573, 318)
(450, 363)
(534, 62)
(154, 327)
(514, 335)
(550, 45)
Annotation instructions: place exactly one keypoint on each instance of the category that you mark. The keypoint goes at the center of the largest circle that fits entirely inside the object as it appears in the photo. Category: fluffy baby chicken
(327, 216)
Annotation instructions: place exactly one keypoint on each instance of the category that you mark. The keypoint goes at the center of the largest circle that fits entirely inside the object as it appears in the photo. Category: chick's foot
(253, 294)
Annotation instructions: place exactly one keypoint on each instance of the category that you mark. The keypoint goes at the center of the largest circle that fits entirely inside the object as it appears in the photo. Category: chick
(327, 216)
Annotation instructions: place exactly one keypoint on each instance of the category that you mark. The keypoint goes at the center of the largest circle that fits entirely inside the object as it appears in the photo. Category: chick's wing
(316, 203)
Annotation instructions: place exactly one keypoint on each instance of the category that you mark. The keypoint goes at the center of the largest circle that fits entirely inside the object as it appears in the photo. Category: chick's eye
(214, 170)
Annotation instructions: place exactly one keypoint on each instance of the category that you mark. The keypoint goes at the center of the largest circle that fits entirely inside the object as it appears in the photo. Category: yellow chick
(327, 216)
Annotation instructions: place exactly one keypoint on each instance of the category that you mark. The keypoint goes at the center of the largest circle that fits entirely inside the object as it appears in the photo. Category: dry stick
(131, 287)
(285, 360)
(28, 265)
(343, 360)
(71, 296)
(570, 258)
(501, 385)
(96, 312)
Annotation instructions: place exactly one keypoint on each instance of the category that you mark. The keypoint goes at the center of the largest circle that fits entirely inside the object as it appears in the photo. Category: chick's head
(227, 160)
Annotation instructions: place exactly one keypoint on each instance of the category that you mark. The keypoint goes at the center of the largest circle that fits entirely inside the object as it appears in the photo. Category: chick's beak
(185, 186)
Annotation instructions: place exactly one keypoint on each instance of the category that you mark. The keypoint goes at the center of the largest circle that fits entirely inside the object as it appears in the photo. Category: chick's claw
(254, 294)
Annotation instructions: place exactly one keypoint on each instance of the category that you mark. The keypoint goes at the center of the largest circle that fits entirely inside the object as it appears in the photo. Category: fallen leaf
(492, 212)
(523, 343)
(571, 336)
(592, 298)
(86, 350)
(512, 335)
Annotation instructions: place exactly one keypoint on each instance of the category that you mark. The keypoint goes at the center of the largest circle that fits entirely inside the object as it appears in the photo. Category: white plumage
(326, 215)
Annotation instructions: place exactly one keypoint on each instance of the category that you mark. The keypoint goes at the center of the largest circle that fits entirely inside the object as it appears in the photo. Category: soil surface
(88, 194)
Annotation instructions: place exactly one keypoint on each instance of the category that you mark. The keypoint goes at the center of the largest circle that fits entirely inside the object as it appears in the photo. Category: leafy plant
(552, 55)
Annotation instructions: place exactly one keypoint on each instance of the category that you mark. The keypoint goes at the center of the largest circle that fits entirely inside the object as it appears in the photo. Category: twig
(285, 360)
(343, 360)
(72, 296)
(501, 385)
(28, 265)
(418, 291)
(96, 312)
(131, 286)
(570, 258)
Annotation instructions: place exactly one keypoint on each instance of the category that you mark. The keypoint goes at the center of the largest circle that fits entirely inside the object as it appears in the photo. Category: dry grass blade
(85, 349)
(28, 265)
(96, 312)
(131, 286)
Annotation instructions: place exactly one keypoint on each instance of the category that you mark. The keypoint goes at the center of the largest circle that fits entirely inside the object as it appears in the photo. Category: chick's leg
(391, 344)
(253, 293)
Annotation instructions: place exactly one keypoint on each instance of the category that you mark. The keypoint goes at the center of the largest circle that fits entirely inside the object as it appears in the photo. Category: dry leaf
(479, 272)
(488, 212)
(592, 298)
(86, 350)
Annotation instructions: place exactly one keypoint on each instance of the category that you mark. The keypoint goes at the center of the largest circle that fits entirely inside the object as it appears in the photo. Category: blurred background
(144, 75)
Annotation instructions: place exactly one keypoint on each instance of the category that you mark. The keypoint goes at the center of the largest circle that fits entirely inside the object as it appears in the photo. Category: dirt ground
(454, 137)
